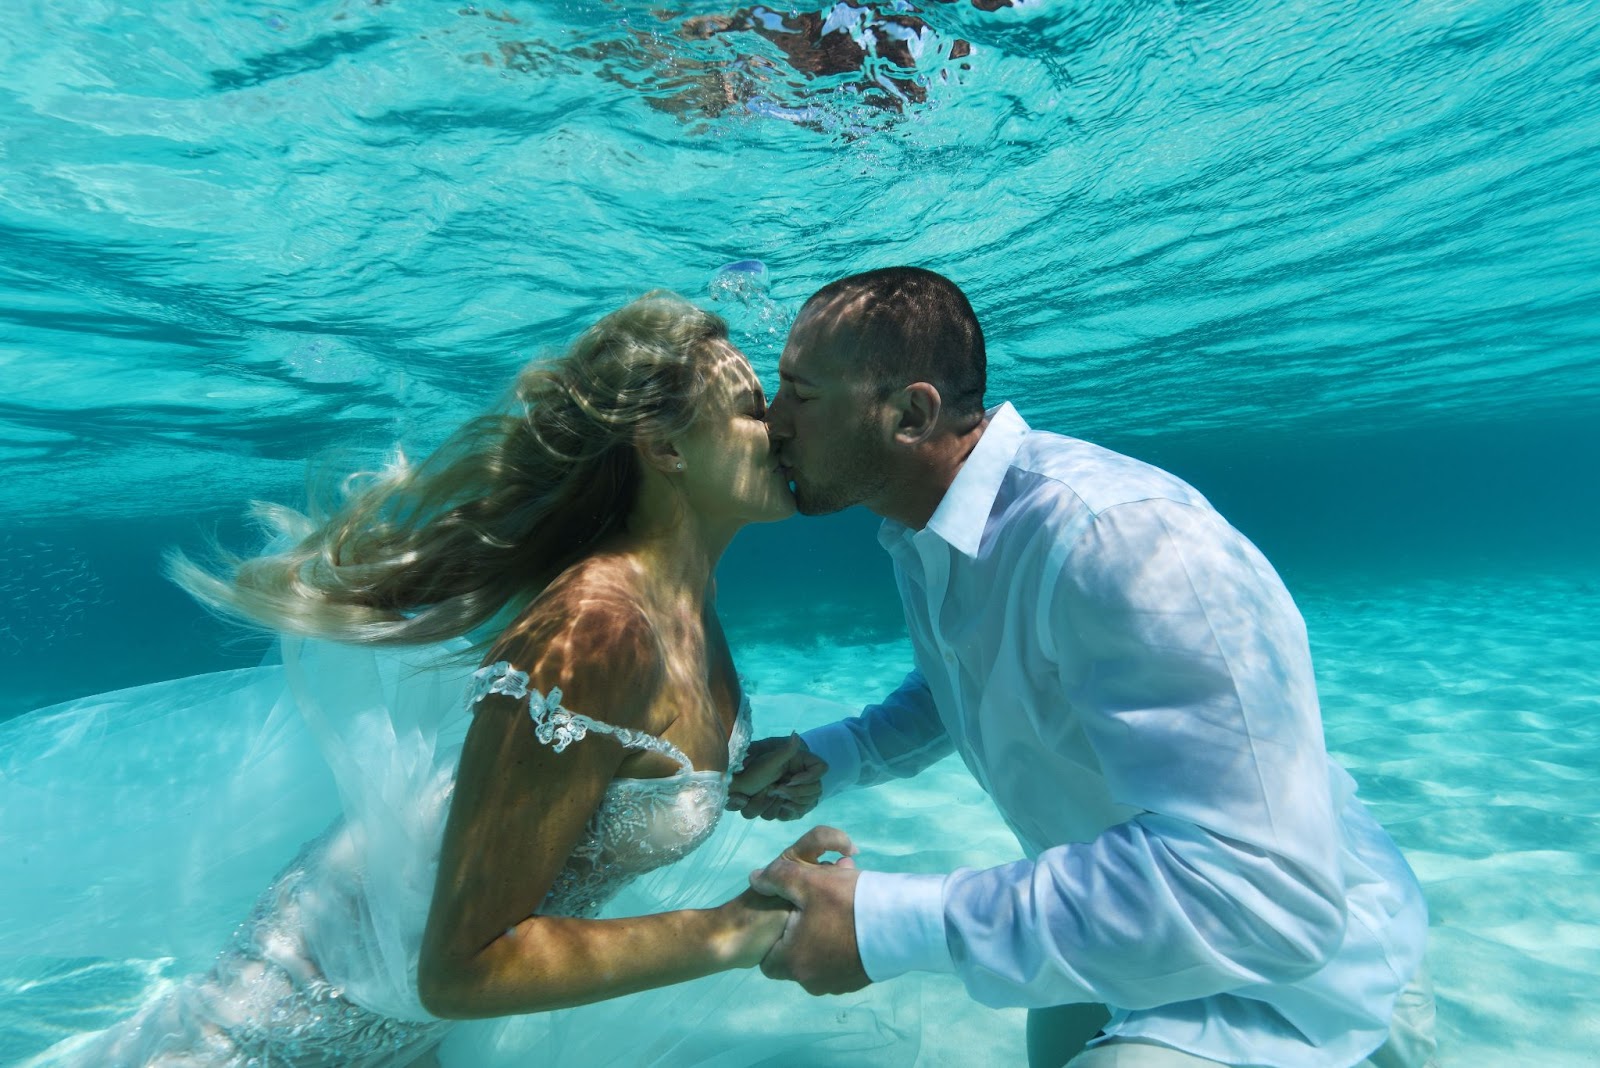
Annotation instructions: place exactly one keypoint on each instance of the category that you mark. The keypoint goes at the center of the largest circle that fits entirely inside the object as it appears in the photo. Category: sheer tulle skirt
(148, 823)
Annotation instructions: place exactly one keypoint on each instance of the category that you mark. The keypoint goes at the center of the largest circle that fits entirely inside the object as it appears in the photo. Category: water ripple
(1174, 218)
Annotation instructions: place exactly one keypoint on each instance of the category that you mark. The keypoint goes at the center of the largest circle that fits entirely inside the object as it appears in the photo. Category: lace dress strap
(559, 727)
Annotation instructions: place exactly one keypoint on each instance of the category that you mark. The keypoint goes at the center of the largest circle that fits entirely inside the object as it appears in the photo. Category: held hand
(781, 780)
(753, 922)
(818, 947)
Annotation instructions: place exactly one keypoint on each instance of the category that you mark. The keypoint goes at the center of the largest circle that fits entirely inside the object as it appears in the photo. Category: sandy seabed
(1467, 710)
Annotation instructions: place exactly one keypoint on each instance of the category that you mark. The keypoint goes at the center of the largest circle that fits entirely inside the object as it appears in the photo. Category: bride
(570, 538)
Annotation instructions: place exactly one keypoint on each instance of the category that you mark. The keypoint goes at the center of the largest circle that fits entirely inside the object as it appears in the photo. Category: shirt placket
(935, 556)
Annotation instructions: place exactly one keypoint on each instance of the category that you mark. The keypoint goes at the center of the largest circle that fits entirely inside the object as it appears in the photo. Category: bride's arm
(518, 811)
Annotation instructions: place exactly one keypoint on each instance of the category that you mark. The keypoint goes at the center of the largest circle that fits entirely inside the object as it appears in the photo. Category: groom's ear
(916, 412)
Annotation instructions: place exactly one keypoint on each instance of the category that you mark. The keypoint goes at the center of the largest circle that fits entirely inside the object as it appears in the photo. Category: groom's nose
(779, 427)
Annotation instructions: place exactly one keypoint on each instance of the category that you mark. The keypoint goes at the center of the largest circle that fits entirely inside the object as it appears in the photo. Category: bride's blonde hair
(421, 553)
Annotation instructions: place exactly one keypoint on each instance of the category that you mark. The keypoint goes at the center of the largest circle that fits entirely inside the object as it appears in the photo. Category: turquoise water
(1338, 265)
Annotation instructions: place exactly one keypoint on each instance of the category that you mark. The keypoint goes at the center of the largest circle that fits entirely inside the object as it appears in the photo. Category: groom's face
(826, 421)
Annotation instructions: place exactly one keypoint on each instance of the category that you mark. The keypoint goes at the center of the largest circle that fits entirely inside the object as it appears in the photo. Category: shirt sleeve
(1184, 661)
(892, 740)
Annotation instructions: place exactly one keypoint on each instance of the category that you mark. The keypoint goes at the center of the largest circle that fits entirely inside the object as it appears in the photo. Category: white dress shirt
(1128, 678)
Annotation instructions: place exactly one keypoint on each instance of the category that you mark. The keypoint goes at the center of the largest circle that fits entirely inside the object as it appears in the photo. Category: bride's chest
(639, 826)
(644, 823)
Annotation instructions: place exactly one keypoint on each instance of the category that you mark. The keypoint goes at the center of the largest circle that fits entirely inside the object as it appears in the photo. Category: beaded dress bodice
(641, 824)
(287, 990)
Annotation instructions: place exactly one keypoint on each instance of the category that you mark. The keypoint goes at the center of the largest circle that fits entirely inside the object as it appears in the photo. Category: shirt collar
(964, 512)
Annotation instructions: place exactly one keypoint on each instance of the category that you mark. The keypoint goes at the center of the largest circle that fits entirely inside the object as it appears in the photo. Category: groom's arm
(1185, 664)
(785, 778)
(894, 739)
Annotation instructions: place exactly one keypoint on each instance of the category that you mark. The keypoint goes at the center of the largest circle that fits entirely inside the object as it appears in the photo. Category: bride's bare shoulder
(586, 628)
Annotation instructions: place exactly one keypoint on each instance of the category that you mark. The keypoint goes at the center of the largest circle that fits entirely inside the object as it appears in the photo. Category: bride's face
(729, 470)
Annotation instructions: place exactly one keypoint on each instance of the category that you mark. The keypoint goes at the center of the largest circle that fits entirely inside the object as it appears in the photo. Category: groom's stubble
(851, 469)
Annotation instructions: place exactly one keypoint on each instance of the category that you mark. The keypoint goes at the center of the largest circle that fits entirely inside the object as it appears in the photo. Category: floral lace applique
(556, 726)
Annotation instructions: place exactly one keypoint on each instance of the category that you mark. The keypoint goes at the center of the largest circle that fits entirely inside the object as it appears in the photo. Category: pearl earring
(680, 465)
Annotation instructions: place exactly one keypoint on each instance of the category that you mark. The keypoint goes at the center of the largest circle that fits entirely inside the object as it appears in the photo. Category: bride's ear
(661, 456)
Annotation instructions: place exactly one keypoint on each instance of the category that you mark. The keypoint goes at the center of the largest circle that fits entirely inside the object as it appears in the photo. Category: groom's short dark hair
(913, 325)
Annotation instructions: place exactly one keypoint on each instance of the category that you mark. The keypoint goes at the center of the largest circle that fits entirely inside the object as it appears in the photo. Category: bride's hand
(753, 922)
(781, 780)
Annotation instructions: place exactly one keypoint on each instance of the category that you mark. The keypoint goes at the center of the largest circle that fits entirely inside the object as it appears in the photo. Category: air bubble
(759, 323)
(740, 280)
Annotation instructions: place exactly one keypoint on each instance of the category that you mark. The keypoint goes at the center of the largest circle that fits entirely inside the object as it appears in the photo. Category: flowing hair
(416, 554)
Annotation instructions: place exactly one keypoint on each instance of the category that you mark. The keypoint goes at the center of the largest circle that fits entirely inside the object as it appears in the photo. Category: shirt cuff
(900, 925)
(836, 745)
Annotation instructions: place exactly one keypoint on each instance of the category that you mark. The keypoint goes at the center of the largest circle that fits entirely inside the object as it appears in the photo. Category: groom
(1128, 679)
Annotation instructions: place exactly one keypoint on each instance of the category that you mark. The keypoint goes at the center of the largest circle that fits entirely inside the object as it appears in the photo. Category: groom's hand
(781, 780)
(818, 946)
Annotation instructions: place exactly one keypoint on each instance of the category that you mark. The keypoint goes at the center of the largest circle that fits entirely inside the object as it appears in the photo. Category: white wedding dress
(132, 823)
